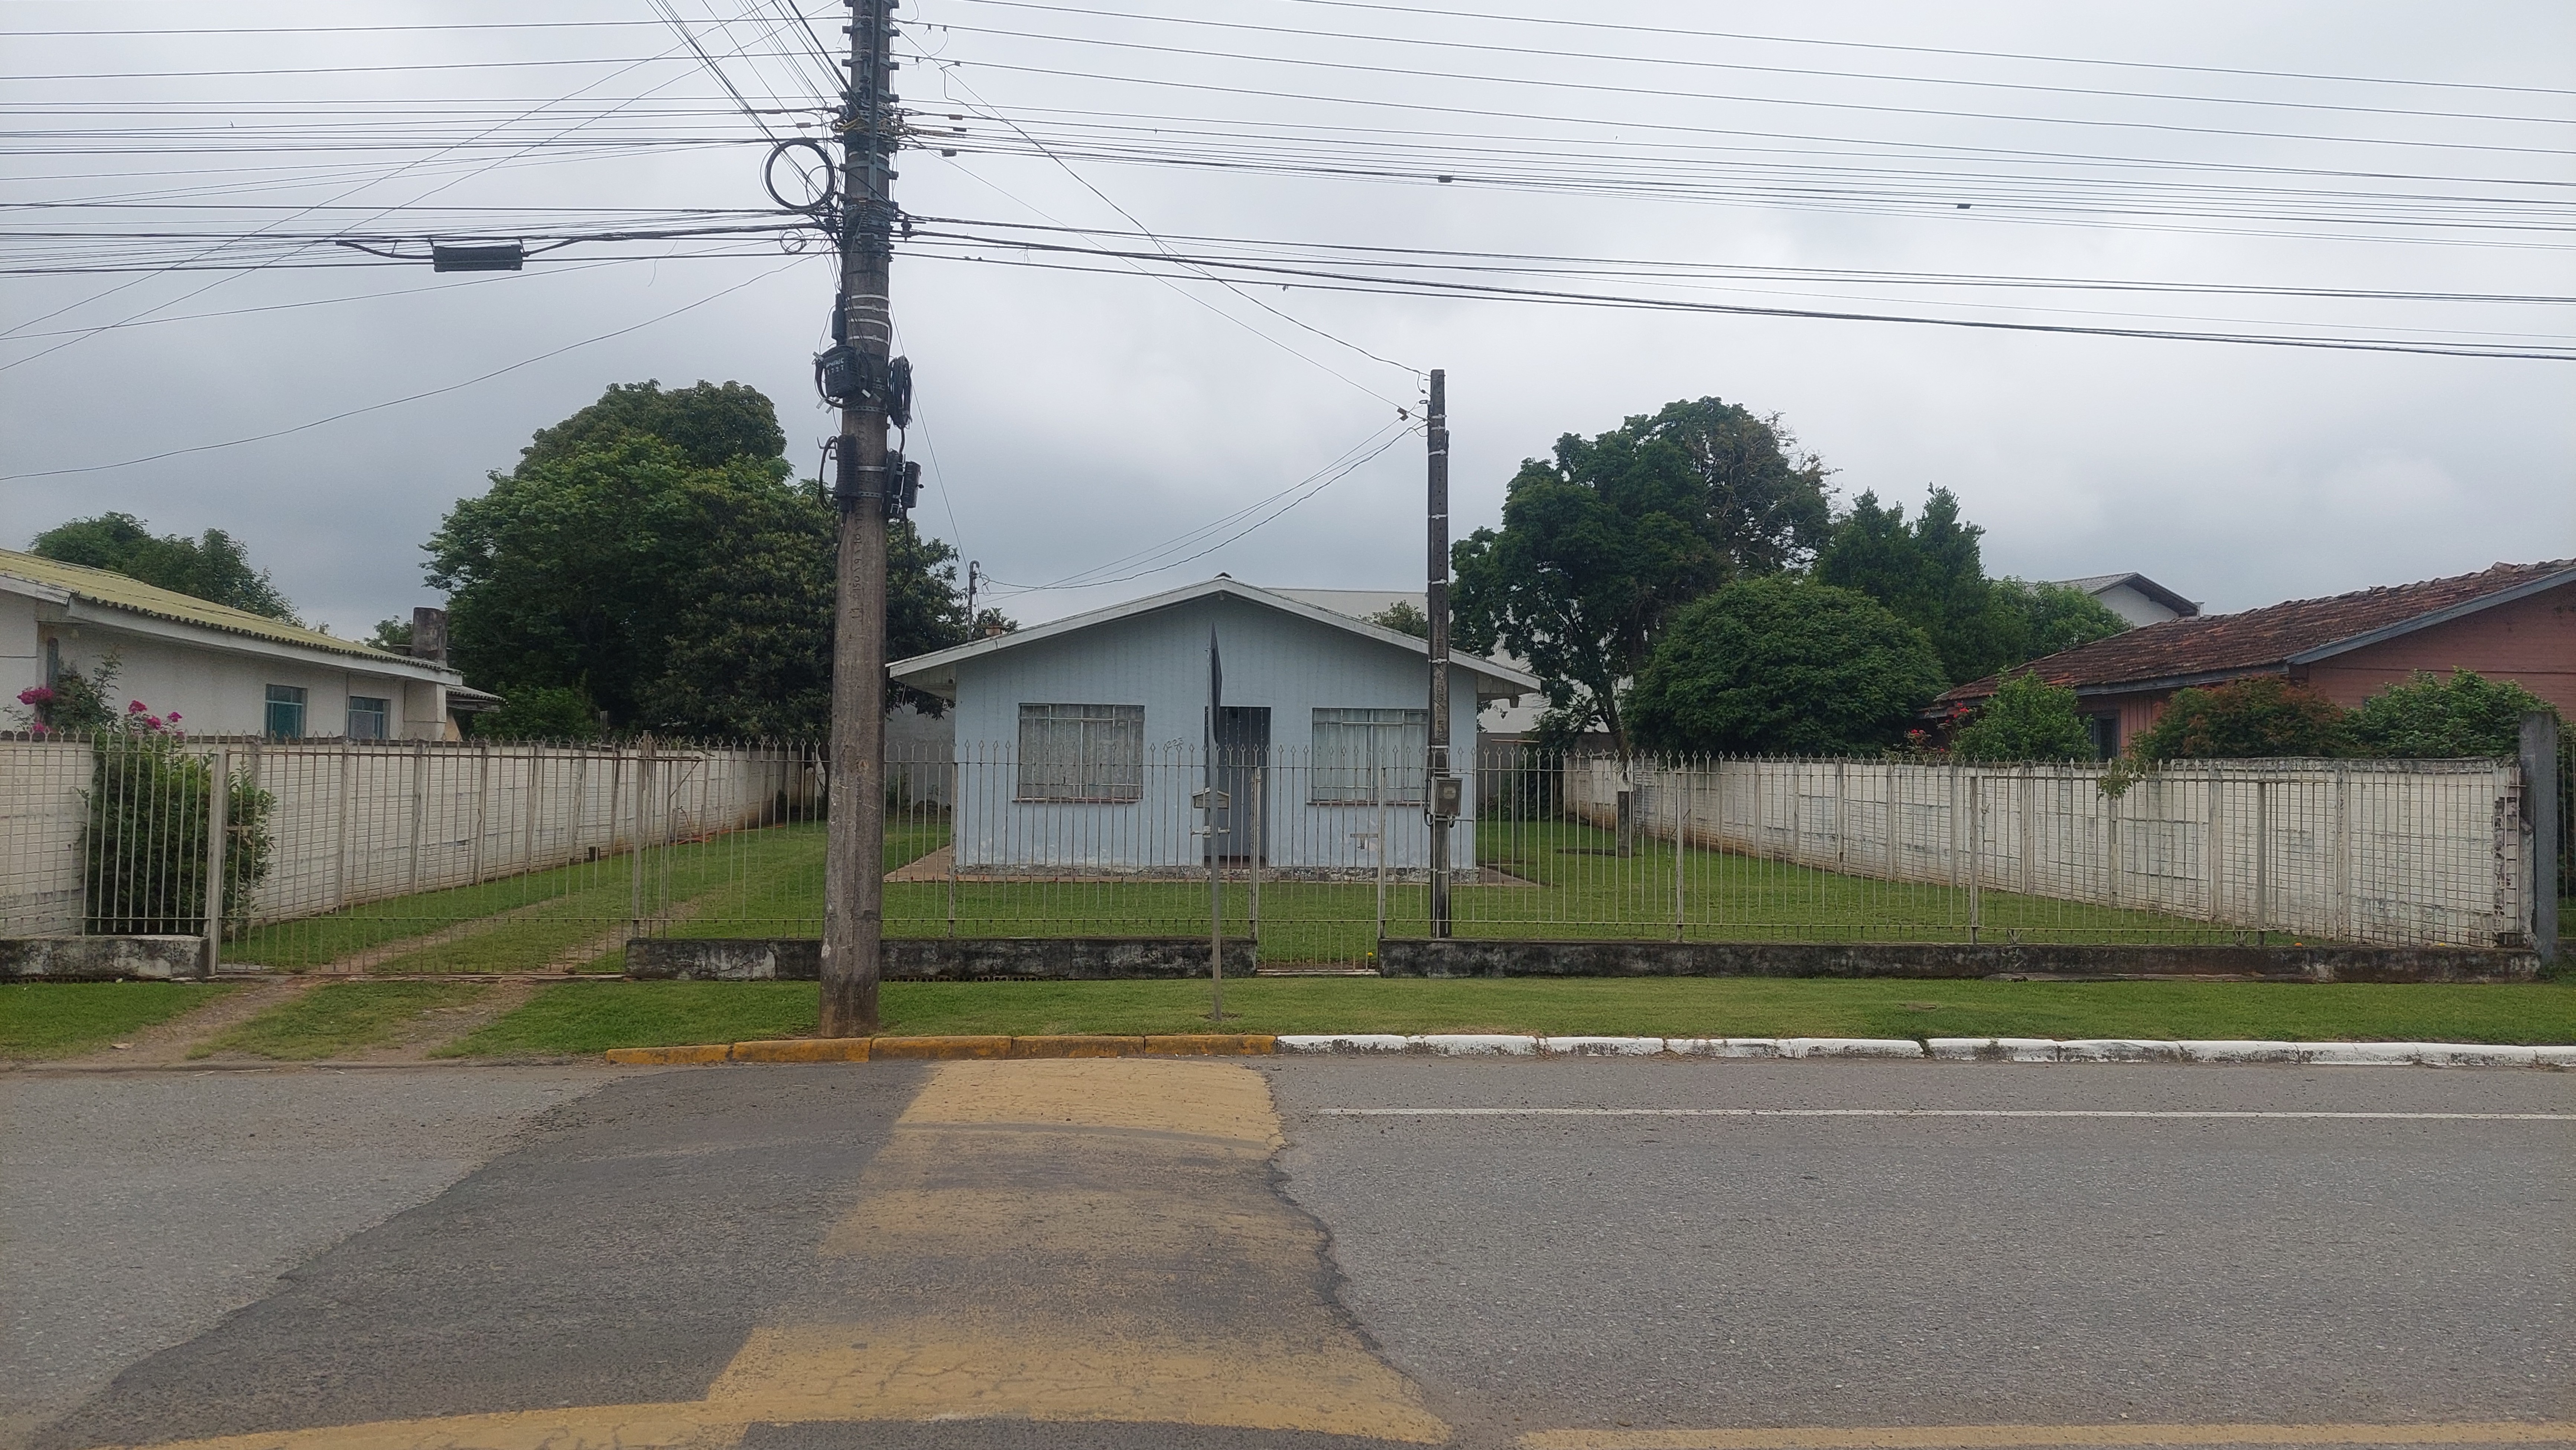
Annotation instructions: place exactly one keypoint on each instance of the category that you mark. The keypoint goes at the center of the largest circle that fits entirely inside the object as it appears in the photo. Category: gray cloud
(1073, 418)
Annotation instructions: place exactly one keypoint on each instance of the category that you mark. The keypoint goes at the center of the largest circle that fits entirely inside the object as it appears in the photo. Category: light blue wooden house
(1078, 741)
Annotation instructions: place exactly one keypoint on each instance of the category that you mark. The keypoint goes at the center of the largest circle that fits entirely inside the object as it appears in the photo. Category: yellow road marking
(2004, 1437)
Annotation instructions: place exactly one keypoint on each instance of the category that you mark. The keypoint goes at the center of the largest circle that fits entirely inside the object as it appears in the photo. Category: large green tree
(674, 586)
(1601, 543)
(1931, 571)
(213, 566)
(1783, 665)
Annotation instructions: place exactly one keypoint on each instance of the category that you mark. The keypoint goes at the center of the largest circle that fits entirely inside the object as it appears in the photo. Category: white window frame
(383, 713)
(296, 697)
(1354, 748)
(1081, 754)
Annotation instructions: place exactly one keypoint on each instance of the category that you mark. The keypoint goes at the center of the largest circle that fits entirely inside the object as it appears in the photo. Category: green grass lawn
(769, 882)
(1578, 889)
(344, 1016)
(584, 1017)
(58, 1019)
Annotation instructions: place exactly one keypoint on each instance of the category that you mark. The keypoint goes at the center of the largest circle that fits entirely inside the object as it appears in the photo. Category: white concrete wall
(217, 691)
(2137, 608)
(1290, 665)
(363, 822)
(2413, 853)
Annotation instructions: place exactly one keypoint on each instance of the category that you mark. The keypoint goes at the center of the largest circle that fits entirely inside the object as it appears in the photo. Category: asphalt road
(1288, 1255)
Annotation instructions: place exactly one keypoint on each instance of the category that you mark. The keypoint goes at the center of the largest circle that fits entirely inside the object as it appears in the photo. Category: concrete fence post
(482, 804)
(1976, 850)
(419, 811)
(1681, 843)
(1252, 862)
(218, 800)
(2542, 800)
(2262, 858)
(2213, 849)
(340, 830)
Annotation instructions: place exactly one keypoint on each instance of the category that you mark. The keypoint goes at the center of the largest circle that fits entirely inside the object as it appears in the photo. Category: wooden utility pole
(1441, 794)
(854, 856)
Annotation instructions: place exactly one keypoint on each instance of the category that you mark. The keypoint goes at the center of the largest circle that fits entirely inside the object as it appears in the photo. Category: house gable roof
(2211, 647)
(936, 671)
(2098, 584)
(132, 596)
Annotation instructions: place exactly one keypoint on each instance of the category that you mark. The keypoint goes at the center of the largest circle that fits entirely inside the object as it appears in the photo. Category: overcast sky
(1068, 419)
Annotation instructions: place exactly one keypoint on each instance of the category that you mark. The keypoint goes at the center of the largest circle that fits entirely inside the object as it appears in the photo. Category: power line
(1147, 232)
(1418, 11)
(1663, 93)
(1295, 494)
(1524, 114)
(1486, 260)
(410, 398)
(1331, 280)
(1555, 56)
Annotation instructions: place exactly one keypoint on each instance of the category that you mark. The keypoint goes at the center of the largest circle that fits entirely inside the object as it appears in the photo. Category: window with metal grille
(1081, 753)
(285, 712)
(369, 715)
(1355, 749)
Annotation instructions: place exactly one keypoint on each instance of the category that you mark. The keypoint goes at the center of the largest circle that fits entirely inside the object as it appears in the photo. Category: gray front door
(1242, 748)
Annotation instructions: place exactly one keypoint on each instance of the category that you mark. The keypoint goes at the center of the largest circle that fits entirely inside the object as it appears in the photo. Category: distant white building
(2135, 598)
(226, 671)
(1078, 741)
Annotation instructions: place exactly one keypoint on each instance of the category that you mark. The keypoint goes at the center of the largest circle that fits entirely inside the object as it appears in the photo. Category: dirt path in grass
(166, 1044)
(439, 1026)
(367, 959)
(581, 954)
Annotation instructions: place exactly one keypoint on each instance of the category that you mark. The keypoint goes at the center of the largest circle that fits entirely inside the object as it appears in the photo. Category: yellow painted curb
(664, 1056)
(803, 1049)
(1213, 1044)
(1073, 1045)
(940, 1047)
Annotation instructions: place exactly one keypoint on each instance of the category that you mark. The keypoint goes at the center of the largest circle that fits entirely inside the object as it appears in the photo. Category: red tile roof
(2274, 636)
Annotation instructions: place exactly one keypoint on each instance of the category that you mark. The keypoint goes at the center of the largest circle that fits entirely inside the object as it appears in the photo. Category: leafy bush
(74, 704)
(541, 712)
(2027, 718)
(2252, 718)
(145, 839)
(1783, 665)
(2432, 718)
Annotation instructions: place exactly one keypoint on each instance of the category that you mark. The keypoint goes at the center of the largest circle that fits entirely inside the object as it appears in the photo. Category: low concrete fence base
(937, 959)
(102, 958)
(1455, 958)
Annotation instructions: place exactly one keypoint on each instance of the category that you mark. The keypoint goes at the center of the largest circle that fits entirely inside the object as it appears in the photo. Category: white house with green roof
(226, 671)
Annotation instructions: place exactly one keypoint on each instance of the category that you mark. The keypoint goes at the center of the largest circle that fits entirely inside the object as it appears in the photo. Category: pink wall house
(2512, 622)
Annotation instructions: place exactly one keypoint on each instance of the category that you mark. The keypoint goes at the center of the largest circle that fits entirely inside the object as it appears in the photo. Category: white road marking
(1932, 1113)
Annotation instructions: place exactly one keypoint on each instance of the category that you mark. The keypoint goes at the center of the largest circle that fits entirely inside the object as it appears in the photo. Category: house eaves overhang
(70, 609)
(2177, 682)
(2464, 608)
(936, 672)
